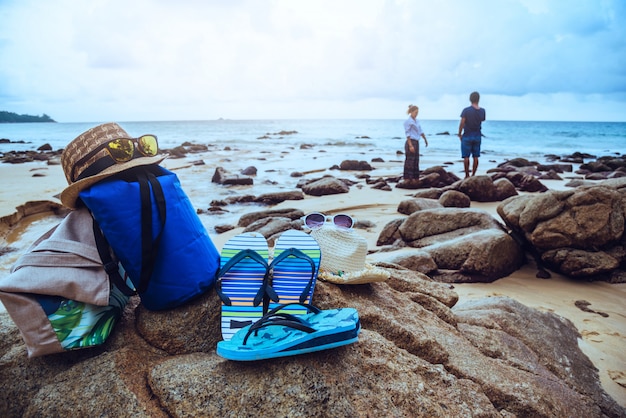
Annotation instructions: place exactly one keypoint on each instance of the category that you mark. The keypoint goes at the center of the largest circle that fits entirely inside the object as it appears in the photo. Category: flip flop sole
(333, 328)
(292, 275)
(242, 282)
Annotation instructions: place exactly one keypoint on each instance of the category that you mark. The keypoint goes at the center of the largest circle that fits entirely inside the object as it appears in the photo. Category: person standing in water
(413, 131)
(470, 133)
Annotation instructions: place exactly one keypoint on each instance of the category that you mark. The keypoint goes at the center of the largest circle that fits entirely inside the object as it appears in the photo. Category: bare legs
(466, 166)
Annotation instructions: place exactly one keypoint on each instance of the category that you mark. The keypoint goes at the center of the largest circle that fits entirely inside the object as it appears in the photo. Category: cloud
(155, 59)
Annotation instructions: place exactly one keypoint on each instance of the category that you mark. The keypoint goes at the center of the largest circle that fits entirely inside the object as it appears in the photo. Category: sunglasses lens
(148, 145)
(343, 221)
(314, 220)
(121, 149)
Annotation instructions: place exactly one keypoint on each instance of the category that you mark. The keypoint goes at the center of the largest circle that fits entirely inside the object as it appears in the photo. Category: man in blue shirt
(470, 133)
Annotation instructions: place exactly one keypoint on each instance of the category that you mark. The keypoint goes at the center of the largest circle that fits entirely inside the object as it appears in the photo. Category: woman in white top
(413, 131)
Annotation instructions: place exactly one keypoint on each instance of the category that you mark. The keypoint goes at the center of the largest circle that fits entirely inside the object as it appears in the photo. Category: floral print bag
(59, 294)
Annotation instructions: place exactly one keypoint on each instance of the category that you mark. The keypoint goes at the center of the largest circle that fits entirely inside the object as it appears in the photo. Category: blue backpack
(155, 232)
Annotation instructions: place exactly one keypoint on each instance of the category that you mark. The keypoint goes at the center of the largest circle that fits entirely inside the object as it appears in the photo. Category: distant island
(10, 117)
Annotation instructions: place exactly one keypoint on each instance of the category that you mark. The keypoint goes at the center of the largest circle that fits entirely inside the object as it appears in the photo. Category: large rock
(325, 186)
(222, 176)
(478, 188)
(7, 223)
(409, 206)
(579, 233)
(454, 199)
(355, 165)
(279, 197)
(418, 355)
(438, 177)
(250, 217)
(271, 227)
(466, 245)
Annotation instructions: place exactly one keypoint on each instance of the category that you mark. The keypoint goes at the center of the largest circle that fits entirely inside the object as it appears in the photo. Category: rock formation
(579, 233)
(418, 355)
(453, 244)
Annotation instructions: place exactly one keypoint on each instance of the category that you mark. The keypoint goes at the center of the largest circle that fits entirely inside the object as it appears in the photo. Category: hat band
(95, 168)
(122, 150)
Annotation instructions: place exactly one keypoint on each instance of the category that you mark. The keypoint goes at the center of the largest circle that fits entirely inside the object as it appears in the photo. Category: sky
(150, 60)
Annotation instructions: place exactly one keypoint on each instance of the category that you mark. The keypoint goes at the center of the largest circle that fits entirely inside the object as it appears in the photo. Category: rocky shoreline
(422, 352)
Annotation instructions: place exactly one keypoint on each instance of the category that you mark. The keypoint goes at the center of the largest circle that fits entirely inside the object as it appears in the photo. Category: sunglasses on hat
(316, 220)
(123, 150)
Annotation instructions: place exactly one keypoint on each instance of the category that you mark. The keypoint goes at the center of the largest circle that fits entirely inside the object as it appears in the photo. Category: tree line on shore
(10, 117)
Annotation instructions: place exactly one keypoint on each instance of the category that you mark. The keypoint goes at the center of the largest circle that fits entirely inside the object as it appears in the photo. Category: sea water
(502, 139)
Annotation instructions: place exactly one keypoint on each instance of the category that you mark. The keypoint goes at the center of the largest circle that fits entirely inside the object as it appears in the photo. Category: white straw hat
(343, 257)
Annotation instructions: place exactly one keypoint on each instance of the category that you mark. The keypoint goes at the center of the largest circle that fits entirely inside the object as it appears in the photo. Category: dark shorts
(470, 145)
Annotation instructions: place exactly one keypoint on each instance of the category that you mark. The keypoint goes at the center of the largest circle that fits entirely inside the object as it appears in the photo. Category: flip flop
(278, 334)
(294, 269)
(242, 281)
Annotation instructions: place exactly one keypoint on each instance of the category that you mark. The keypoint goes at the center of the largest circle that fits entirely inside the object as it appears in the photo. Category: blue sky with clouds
(150, 60)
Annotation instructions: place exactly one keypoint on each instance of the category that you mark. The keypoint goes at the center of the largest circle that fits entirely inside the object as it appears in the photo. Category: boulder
(355, 165)
(273, 226)
(478, 188)
(432, 193)
(221, 176)
(325, 186)
(433, 226)
(249, 171)
(482, 256)
(250, 217)
(418, 355)
(579, 233)
(581, 263)
(390, 233)
(454, 199)
(416, 260)
(503, 189)
(409, 206)
(465, 245)
(279, 197)
(437, 177)
(29, 208)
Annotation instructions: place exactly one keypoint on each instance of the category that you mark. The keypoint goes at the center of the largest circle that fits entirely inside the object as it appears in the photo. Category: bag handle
(149, 247)
(110, 266)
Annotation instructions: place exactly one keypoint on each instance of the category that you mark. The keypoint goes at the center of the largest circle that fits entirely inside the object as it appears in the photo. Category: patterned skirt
(412, 161)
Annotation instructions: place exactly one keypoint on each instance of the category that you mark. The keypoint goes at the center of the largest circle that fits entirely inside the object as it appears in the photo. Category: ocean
(278, 148)
(503, 139)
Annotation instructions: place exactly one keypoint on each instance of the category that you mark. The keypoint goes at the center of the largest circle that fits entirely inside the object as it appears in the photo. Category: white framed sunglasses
(316, 220)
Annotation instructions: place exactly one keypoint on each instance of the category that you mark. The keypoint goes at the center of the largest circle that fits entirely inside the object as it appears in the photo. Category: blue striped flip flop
(278, 334)
(242, 281)
(294, 269)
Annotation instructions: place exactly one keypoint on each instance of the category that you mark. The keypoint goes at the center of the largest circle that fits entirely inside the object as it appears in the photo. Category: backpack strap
(110, 266)
(149, 247)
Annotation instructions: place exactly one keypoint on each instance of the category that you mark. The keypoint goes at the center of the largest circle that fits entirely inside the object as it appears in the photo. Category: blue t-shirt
(473, 118)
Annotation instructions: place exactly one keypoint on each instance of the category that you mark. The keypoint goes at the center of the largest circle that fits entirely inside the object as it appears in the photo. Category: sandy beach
(603, 337)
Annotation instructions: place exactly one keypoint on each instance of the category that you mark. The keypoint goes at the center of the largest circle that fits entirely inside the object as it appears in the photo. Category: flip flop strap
(298, 254)
(247, 253)
(267, 321)
(307, 306)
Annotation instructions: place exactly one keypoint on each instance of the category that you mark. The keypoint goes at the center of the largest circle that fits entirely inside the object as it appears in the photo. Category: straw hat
(77, 150)
(343, 257)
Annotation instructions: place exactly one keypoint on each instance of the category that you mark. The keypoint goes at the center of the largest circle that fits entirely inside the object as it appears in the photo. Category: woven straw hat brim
(69, 195)
(369, 274)
(343, 250)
